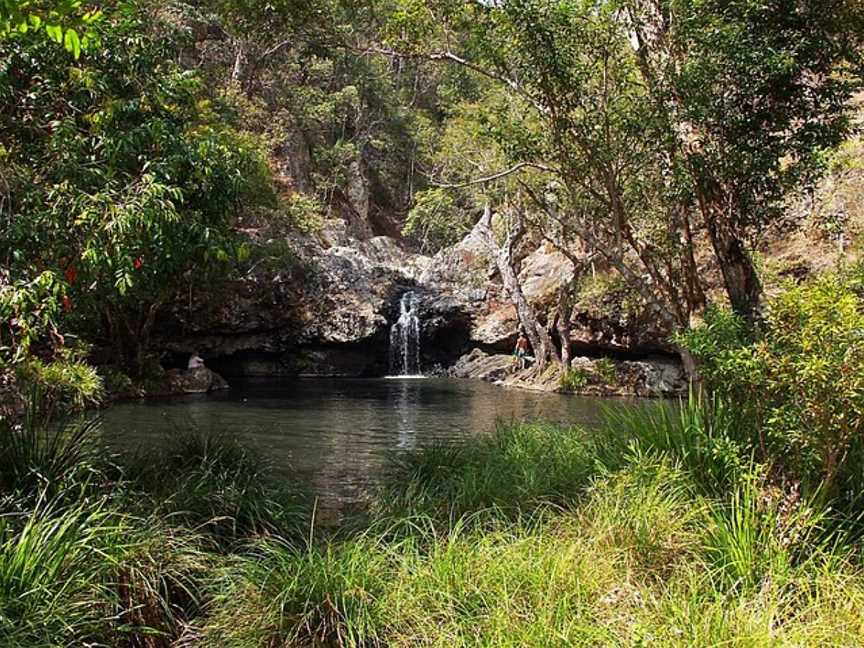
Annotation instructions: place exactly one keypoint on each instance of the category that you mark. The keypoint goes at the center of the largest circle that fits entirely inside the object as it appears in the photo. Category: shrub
(66, 384)
(573, 379)
(798, 379)
(280, 595)
(606, 371)
(46, 569)
(304, 212)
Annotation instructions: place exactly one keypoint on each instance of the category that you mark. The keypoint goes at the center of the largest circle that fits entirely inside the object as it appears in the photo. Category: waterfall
(405, 339)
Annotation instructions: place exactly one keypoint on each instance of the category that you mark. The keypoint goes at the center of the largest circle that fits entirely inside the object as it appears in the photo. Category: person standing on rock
(521, 350)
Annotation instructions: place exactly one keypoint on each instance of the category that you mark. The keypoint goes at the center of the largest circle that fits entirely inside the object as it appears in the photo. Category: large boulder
(190, 381)
(655, 377)
(469, 263)
(478, 365)
(542, 274)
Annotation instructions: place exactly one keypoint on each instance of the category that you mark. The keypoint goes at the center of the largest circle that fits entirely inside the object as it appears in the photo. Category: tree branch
(495, 176)
(450, 57)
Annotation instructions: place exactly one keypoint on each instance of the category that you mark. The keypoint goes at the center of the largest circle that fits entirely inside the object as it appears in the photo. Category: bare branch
(616, 260)
(450, 57)
(496, 176)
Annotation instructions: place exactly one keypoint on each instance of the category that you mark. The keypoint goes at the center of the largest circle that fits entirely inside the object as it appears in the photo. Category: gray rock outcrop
(190, 381)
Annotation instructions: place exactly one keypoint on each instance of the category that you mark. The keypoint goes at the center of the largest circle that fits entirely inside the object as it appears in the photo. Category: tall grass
(518, 467)
(655, 530)
(699, 434)
(88, 575)
(35, 459)
(642, 560)
(645, 533)
(46, 573)
(213, 483)
(93, 556)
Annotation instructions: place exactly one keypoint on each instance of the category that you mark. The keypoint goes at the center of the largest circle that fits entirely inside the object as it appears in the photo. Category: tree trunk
(742, 282)
(537, 334)
(691, 368)
(239, 67)
(562, 324)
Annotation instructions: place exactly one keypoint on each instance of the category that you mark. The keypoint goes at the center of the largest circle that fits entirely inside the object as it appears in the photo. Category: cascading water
(405, 338)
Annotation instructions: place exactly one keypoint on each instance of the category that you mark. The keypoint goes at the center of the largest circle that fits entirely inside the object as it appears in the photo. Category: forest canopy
(657, 139)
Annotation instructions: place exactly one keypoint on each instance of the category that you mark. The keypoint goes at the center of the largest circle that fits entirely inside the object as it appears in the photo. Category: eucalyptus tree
(663, 122)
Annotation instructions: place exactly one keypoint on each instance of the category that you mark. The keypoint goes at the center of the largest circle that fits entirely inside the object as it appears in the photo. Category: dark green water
(338, 435)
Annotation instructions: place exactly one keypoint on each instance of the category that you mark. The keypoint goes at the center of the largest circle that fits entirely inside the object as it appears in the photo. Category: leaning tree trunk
(562, 325)
(537, 334)
(739, 275)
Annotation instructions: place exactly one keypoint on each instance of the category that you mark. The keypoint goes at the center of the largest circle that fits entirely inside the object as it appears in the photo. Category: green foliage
(435, 220)
(797, 379)
(639, 558)
(512, 470)
(608, 294)
(132, 178)
(573, 379)
(67, 384)
(87, 574)
(29, 312)
(62, 20)
(304, 212)
(46, 569)
(532, 536)
(606, 370)
(36, 461)
(88, 558)
(610, 97)
(701, 435)
(213, 484)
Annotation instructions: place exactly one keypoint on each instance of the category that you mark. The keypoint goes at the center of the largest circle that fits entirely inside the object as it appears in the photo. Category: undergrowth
(658, 529)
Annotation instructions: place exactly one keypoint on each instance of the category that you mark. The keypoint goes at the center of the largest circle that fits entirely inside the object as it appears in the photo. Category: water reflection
(406, 406)
(338, 435)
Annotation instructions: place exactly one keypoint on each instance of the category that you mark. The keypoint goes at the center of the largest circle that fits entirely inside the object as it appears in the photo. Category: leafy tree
(750, 93)
(129, 177)
(662, 122)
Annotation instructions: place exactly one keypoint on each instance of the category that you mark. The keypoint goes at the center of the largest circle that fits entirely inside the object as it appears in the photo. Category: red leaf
(67, 303)
(71, 274)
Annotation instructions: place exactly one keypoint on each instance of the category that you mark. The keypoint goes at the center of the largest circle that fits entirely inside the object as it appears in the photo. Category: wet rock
(323, 296)
(190, 381)
(479, 365)
(655, 377)
(333, 363)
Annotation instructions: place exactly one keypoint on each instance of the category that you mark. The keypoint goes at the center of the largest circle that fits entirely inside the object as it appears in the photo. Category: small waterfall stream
(405, 338)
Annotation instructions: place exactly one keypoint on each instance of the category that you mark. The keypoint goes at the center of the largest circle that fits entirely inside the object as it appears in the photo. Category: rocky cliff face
(325, 311)
(327, 308)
